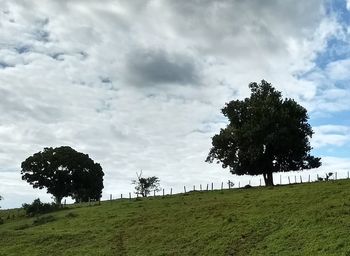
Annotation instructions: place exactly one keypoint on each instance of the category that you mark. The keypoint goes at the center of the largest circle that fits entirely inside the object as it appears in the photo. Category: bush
(71, 215)
(37, 207)
(43, 220)
(22, 227)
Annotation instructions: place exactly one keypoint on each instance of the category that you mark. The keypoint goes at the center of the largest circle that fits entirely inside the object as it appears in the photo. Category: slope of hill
(304, 219)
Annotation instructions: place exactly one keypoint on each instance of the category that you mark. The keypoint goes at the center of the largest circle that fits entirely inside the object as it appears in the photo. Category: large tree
(64, 172)
(265, 134)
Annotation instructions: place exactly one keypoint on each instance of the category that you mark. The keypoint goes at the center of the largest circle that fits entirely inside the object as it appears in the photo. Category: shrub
(71, 215)
(22, 227)
(37, 207)
(43, 220)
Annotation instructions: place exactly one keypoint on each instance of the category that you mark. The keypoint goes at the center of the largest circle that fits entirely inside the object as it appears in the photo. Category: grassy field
(304, 219)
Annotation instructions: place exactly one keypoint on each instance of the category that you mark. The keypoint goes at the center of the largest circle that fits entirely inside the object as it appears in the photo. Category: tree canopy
(64, 172)
(265, 134)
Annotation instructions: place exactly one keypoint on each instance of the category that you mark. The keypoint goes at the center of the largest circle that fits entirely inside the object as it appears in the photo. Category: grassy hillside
(306, 219)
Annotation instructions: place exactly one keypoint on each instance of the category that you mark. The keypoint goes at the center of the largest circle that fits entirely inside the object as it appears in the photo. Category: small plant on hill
(145, 185)
(43, 220)
(71, 215)
(37, 207)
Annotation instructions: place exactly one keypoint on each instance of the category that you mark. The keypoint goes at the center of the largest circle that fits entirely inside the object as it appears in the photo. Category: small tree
(265, 134)
(145, 185)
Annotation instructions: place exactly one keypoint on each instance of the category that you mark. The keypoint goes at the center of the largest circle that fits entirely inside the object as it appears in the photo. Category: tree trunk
(58, 200)
(268, 178)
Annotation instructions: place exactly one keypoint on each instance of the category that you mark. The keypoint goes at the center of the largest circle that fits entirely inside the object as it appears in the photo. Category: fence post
(121, 196)
(260, 182)
(110, 197)
(194, 187)
(222, 185)
(239, 184)
(200, 187)
(212, 186)
(317, 176)
(154, 192)
(229, 184)
(348, 174)
(309, 177)
(280, 179)
(163, 191)
(171, 191)
(336, 175)
(295, 179)
(301, 180)
(185, 189)
(249, 183)
(288, 179)
(130, 195)
(65, 202)
(207, 187)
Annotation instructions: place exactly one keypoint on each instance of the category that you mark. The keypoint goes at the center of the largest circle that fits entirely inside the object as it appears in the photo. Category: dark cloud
(153, 67)
(5, 65)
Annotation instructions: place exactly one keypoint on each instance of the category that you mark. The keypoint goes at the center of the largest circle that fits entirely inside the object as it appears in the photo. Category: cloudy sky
(139, 84)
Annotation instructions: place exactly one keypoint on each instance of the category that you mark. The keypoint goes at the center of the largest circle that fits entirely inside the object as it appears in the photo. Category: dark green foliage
(37, 207)
(43, 220)
(265, 134)
(145, 185)
(22, 227)
(64, 172)
(1, 221)
(71, 215)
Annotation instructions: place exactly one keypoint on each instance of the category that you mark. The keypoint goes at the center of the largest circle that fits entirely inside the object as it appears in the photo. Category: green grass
(304, 219)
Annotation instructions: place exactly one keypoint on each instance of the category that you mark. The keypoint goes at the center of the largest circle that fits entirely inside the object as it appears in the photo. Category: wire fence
(227, 185)
(230, 184)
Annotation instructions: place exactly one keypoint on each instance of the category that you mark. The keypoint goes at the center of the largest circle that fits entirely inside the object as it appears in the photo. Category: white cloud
(339, 70)
(139, 84)
(330, 135)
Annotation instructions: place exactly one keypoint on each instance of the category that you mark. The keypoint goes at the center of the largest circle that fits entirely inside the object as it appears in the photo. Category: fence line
(232, 185)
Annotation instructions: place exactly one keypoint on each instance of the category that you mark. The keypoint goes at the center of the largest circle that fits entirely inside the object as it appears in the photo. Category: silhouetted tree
(64, 172)
(145, 185)
(265, 134)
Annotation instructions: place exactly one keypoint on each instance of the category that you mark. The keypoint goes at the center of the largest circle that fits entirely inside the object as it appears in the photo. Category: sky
(139, 85)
